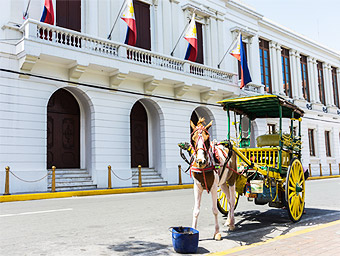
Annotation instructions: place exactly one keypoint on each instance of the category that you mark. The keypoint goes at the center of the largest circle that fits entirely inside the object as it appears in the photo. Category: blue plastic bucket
(185, 239)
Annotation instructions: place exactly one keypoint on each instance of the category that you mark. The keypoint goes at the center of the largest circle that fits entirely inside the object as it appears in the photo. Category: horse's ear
(209, 125)
(192, 125)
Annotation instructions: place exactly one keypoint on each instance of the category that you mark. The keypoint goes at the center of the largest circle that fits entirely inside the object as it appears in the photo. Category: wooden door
(63, 131)
(142, 13)
(199, 29)
(68, 14)
(139, 136)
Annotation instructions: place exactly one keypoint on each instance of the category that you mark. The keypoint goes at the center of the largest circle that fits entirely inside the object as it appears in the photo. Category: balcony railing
(45, 33)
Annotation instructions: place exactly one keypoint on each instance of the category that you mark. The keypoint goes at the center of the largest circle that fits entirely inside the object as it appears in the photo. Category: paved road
(137, 224)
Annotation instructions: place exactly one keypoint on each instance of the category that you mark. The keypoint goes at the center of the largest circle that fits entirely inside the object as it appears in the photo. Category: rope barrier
(133, 174)
(29, 181)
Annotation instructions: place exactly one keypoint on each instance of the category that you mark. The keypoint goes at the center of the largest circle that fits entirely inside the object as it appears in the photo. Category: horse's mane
(201, 121)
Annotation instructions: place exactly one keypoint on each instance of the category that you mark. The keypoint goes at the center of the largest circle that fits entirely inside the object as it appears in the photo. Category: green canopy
(262, 106)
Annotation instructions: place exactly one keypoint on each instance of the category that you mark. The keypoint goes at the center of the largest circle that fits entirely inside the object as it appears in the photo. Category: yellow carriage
(271, 172)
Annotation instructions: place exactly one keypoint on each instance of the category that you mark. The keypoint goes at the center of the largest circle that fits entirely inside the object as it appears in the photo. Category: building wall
(105, 114)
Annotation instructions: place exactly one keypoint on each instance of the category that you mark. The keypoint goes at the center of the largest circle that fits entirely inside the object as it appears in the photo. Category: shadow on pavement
(141, 248)
(256, 226)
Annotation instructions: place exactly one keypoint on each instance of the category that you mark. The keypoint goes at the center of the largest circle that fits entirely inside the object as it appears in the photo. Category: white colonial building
(71, 98)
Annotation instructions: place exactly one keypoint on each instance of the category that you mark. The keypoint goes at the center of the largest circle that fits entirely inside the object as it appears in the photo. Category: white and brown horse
(205, 156)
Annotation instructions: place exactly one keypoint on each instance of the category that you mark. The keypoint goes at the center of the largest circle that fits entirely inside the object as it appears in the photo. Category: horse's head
(201, 142)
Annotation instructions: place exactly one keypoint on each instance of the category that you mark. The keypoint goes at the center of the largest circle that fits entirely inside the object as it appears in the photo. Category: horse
(202, 167)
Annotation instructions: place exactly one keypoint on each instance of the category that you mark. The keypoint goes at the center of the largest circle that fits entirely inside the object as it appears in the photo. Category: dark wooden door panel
(63, 131)
(139, 136)
(68, 14)
(142, 15)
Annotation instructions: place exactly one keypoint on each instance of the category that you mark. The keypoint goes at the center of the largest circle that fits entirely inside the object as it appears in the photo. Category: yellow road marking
(323, 177)
(300, 232)
(38, 196)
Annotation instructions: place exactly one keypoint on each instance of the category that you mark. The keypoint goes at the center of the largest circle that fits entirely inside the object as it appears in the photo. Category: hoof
(218, 237)
(231, 228)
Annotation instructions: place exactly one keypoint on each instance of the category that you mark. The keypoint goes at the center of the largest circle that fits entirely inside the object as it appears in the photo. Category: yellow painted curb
(38, 196)
(323, 177)
(300, 232)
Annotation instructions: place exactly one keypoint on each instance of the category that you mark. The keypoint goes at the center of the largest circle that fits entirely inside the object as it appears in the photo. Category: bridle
(200, 129)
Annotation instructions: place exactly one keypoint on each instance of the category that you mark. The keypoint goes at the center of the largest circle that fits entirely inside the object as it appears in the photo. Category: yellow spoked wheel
(222, 202)
(295, 190)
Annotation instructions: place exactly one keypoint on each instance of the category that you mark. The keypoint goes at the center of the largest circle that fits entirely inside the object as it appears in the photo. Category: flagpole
(219, 64)
(114, 24)
(172, 53)
(26, 12)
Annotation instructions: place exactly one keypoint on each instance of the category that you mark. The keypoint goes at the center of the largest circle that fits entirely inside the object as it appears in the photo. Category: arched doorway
(203, 112)
(139, 136)
(63, 131)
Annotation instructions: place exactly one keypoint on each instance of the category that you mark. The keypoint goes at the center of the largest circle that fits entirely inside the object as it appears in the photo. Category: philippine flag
(238, 52)
(128, 15)
(191, 37)
(48, 13)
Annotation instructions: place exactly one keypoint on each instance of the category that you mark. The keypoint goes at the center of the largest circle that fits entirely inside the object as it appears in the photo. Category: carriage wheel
(295, 190)
(222, 203)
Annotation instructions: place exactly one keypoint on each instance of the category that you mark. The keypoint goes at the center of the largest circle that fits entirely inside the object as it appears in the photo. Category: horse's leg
(213, 191)
(198, 195)
(231, 202)
(225, 190)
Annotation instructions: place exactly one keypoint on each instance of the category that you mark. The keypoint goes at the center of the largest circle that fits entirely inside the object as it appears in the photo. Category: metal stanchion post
(53, 178)
(330, 169)
(139, 176)
(7, 181)
(320, 170)
(310, 170)
(179, 175)
(339, 168)
(109, 177)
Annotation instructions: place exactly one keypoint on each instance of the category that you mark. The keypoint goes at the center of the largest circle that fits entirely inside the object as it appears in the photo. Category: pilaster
(299, 78)
(273, 65)
(294, 84)
(316, 81)
(279, 68)
(311, 79)
(328, 86)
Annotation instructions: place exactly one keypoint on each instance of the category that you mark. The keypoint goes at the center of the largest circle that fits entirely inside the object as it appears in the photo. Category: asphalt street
(138, 224)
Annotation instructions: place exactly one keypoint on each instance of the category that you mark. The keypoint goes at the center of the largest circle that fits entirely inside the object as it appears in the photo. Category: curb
(38, 196)
(281, 237)
(323, 177)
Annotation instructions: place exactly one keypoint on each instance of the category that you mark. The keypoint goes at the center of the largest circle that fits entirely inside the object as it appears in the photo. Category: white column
(279, 68)
(207, 47)
(254, 59)
(92, 21)
(311, 79)
(338, 80)
(299, 76)
(329, 86)
(293, 82)
(222, 42)
(213, 36)
(178, 22)
(316, 82)
(273, 67)
(167, 35)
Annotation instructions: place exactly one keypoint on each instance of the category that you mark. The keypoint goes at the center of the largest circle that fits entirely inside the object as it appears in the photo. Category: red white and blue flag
(191, 37)
(128, 15)
(48, 13)
(239, 53)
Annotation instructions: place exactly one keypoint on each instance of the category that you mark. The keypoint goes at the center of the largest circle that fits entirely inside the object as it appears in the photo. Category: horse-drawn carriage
(273, 172)
(270, 173)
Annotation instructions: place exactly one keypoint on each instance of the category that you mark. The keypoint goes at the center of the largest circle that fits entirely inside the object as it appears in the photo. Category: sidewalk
(320, 240)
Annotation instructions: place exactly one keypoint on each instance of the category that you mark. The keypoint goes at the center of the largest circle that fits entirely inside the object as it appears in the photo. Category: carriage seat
(271, 140)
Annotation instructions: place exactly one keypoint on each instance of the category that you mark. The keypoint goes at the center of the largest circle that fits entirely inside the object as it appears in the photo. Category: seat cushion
(271, 140)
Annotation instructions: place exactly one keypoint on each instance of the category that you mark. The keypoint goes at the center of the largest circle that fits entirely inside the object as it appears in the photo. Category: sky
(318, 20)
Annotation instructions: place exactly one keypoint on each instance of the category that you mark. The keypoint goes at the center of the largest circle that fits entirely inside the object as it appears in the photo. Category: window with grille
(321, 83)
(328, 143)
(287, 86)
(271, 129)
(265, 65)
(311, 142)
(304, 76)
